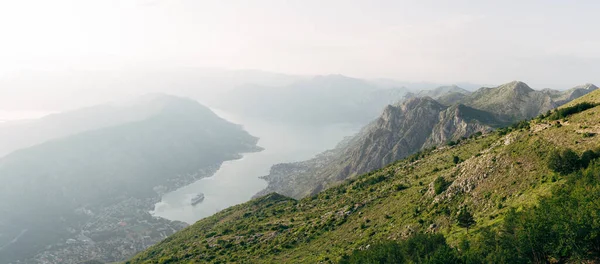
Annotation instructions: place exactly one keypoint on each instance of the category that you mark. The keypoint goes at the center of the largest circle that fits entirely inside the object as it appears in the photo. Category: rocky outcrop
(397, 133)
(460, 121)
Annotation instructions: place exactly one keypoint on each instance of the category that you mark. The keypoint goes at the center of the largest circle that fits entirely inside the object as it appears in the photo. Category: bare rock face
(460, 121)
(397, 133)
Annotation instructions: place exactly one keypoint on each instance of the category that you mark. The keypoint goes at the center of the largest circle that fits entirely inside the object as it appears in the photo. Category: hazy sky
(545, 43)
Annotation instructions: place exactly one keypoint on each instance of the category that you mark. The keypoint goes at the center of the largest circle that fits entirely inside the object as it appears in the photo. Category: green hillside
(488, 176)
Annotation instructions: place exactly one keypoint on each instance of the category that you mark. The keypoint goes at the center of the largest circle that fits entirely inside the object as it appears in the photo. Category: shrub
(387, 252)
(421, 248)
(587, 157)
(465, 219)
(588, 134)
(401, 187)
(440, 185)
(568, 161)
(567, 111)
(456, 159)
(563, 162)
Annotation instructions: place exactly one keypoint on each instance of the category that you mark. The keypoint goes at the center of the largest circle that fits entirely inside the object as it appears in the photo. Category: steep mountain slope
(459, 121)
(416, 124)
(489, 175)
(320, 100)
(400, 131)
(82, 186)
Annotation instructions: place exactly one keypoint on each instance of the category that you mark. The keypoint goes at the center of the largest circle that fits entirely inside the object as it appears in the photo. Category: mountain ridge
(398, 135)
(491, 175)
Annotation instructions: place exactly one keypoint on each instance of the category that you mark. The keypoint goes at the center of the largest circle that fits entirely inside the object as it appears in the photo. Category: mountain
(573, 93)
(415, 124)
(316, 101)
(447, 95)
(16, 135)
(91, 192)
(513, 101)
(477, 183)
(419, 86)
(441, 91)
(28, 89)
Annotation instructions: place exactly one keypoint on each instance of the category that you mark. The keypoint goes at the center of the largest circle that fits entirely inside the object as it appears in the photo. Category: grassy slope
(498, 172)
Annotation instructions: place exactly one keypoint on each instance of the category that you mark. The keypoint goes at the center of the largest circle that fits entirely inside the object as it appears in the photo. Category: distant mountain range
(415, 124)
(315, 101)
(99, 171)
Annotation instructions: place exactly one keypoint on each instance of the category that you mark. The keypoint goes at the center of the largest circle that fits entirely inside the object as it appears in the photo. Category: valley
(236, 181)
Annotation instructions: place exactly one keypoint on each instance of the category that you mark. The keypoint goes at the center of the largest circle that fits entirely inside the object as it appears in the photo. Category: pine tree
(465, 219)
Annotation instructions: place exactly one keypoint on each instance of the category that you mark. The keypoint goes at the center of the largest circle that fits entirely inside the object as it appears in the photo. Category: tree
(465, 219)
(456, 159)
(386, 252)
(563, 162)
(587, 157)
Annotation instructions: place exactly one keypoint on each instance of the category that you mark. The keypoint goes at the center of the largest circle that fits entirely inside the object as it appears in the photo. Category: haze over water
(238, 180)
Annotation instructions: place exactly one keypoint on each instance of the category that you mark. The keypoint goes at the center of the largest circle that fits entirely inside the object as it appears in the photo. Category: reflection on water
(237, 180)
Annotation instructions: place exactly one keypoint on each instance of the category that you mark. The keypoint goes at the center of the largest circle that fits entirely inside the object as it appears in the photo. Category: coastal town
(118, 231)
(113, 233)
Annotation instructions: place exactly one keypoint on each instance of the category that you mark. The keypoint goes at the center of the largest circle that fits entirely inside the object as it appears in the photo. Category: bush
(563, 162)
(568, 161)
(524, 124)
(456, 159)
(475, 135)
(567, 111)
(421, 248)
(401, 187)
(440, 185)
(387, 252)
(587, 157)
(465, 219)
(588, 134)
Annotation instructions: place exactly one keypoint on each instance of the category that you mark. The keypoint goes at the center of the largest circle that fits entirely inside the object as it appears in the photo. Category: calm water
(237, 181)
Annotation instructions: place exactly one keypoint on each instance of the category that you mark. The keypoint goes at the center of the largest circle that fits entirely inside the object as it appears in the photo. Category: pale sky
(544, 43)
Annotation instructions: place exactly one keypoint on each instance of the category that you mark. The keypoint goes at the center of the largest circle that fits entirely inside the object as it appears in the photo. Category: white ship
(198, 199)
